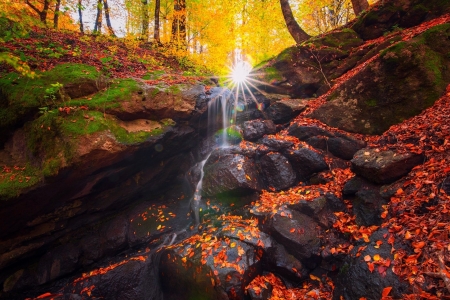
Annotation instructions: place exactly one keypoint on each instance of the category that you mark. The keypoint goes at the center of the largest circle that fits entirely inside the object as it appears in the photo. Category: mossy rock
(407, 78)
(20, 97)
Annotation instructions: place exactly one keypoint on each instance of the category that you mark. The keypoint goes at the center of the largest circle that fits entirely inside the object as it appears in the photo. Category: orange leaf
(292, 230)
(376, 257)
(418, 245)
(386, 291)
(371, 266)
(367, 258)
(314, 277)
(408, 235)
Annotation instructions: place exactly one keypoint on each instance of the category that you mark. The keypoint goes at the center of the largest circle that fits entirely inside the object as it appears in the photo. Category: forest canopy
(207, 32)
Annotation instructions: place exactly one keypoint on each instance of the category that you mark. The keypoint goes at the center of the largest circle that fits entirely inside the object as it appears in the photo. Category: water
(221, 106)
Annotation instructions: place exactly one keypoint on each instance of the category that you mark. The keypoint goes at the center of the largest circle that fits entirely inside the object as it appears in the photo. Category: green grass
(12, 182)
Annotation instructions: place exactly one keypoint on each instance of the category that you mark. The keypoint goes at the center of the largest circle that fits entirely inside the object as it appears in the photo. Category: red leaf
(386, 291)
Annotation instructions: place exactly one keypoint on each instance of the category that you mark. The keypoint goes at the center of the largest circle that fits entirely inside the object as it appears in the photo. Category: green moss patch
(13, 180)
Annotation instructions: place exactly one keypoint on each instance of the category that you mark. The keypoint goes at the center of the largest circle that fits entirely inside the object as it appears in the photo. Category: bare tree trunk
(98, 19)
(42, 13)
(108, 19)
(295, 30)
(359, 6)
(145, 20)
(80, 15)
(56, 16)
(156, 35)
(179, 24)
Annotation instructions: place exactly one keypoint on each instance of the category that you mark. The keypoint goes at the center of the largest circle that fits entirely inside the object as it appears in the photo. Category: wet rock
(230, 173)
(367, 205)
(278, 260)
(58, 262)
(115, 235)
(302, 242)
(446, 185)
(309, 208)
(306, 162)
(384, 166)
(284, 110)
(132, 279)
(334, 203)
(276, 145)
(355, 280)
(277, 171)
(261, 293)
(387, 191)
(304, 133)
(352, 186)
(344, 147)
(255, 129)
(220, 272)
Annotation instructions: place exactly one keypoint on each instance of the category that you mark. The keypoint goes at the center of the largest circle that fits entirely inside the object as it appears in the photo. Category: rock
(367, 206)
(276, 145)
(355, 280)
(309, 208)
(344, 147)
(255, 129)
(84, 87)
(304, 133)
(384, 167)
(278, 260)
(58, 262)
(352, 186)
(132, 279)
(370, 103)
(230, 173)
(303, 242)
(277, 171)
(446, 185)
(115, 235)
(221, 272)
(284, 110)
(334, 203)
(306, 162)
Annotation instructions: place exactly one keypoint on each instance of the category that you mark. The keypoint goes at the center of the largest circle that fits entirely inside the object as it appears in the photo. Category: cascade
(222, 105)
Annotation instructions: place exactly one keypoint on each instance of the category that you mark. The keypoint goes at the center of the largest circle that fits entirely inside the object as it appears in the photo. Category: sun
(240, 72)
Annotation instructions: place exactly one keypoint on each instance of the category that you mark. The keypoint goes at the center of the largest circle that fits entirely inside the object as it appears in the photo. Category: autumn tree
(56, 14)
(41, 13)
(179, 24)
(98, 18)
(295, 30)
(156, 34)
(80, 15)
(359, 6)
(108, 18)
(145, 20)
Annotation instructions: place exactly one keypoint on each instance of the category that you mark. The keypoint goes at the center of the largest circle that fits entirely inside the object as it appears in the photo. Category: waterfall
(221, 106)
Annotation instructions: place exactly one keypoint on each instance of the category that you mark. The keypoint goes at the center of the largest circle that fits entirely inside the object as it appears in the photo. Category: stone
(384, 167)
(306, 162)
(276, 259)
(58, 262)
(284, 110)
(344, 147)
(352, 186)
(277, 170)
(304, 133)
(276, 145)
(230, 173)
(187, 272)
(255, 129)
(303, 243)
(367, 206)
(355, 279)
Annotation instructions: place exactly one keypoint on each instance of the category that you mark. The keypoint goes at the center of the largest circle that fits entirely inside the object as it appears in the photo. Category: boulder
(304, 133)
(344, 147)
(278, 260)
(255, 129)
(57, 262)
(277, 171)
(384, 167)
(355, 280)
(285, 110)
(230, 173)
(306, 162)
(370, 103)
(274, 144)
(367, 206)
(298, 233)
(217, 270)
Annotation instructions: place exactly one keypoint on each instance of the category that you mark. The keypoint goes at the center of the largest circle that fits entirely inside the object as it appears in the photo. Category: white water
(221, 105)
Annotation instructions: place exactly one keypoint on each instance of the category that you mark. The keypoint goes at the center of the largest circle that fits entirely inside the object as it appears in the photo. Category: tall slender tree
(42, 13)
(179, 24)
(56, 15)
(359, 6)
(145, 20)
(80, 15)
(295, 30)
(98, 19)
(156, 34)
(108, 18)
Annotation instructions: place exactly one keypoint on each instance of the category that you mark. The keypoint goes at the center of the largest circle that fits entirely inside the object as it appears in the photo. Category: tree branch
(442, 274)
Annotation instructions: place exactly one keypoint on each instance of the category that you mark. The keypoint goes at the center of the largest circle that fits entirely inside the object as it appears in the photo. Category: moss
(371, 102)
(153, 75)
(119, 90)
(13, 181)
(271, 73)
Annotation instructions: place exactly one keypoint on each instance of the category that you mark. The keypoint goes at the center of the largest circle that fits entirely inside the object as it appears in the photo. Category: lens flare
(240, 72)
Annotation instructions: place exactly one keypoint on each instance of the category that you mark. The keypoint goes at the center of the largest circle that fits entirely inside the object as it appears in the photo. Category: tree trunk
(98, 19)
(42, 14)
(145, 20)
(108, 19)
(56, 16)
(156, 33)
(359, 6)
(80, 15)
(179, 24)
(295, 30)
